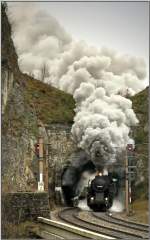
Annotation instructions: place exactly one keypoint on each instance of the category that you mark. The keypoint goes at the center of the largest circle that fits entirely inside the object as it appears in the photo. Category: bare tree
(4, 6)
(44, 71)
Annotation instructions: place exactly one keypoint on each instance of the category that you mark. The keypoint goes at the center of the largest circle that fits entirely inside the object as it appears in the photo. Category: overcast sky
(120, 25)
(123, 26)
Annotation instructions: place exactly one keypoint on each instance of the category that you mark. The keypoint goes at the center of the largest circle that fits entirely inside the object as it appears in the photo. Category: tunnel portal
(79, 162)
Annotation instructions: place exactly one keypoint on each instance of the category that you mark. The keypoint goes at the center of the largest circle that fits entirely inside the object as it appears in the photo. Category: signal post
(128, 170)
(41, 167)
(126, 184)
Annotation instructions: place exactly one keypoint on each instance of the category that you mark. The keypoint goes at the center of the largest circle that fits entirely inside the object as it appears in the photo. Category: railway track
(101, 226)
(122, 222)
(54, 230)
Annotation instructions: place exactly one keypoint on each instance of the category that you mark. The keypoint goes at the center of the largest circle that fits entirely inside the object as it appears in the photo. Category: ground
(140, 209)
(139, 212)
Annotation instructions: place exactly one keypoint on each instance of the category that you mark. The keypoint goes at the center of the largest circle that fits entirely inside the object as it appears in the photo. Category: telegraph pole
(41, 182)
(129, 169)
(46, 168)
(126, 184)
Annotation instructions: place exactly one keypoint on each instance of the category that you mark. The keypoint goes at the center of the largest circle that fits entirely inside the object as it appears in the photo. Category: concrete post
(126, 184)
(41, 182)
(46, 169)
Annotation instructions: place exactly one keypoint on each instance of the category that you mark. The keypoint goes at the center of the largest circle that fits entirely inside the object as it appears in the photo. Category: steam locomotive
(101, 192)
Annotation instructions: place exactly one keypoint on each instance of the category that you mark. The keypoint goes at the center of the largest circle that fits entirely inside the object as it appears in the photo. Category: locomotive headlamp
(114, 180)
(92, 198)
(106, 198)
(100, 174)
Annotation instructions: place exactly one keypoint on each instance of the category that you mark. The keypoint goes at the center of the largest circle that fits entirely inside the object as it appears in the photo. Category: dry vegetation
(50, 104)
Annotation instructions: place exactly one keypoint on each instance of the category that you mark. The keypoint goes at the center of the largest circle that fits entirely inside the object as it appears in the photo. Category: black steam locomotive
(101, 192)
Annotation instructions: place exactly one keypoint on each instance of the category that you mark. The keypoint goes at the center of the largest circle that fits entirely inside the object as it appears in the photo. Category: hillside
(140, 106)
(140, 135)
(51, 105)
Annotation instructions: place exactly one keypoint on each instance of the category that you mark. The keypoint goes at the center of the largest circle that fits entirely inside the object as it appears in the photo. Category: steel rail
(70, 215)
(145, 226)
(125, 230)
(66, 231)
(122, 223)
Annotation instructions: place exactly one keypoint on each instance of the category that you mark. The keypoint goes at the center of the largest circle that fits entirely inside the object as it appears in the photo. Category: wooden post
(46, 169)
(41, 182)
(126, 184)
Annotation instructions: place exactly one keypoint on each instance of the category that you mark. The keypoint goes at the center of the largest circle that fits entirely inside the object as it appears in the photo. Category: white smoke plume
(98, 79)
(86, 177)
(82, 184)
(117, 206)
(118, 203)
(83, 205)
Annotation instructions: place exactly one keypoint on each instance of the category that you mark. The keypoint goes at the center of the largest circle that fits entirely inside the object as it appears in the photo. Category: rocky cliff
(28, 106)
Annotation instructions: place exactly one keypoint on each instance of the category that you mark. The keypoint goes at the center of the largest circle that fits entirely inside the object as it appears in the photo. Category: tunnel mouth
(70, 179)
(67, 195)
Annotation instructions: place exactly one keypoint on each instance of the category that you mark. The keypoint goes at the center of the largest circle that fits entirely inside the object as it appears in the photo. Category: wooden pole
(127, 184)
(41, 182)
(46, 169)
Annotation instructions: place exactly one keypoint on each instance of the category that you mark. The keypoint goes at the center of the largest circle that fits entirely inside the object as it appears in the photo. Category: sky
(123, 26)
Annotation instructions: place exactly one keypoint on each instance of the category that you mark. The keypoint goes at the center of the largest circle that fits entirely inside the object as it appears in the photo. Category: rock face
(7, 84)
(29, 108)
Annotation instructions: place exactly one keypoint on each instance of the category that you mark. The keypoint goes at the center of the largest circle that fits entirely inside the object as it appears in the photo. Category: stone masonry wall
(60, 145)
(21, 207)
(57, 138)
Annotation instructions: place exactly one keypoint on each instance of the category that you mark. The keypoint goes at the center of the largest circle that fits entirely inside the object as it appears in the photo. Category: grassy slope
(140, 210)
(140, 205)
(50, 104)
(140, 106)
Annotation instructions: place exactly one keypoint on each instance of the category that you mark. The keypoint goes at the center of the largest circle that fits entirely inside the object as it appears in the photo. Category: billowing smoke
(118, 203)
(102, 124)
(86, 177)
(98, 79)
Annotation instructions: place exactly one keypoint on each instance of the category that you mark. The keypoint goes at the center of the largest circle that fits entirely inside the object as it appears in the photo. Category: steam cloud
(98, 79)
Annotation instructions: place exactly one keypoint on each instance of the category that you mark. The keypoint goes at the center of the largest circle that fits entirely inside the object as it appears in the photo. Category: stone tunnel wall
(60, 146)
